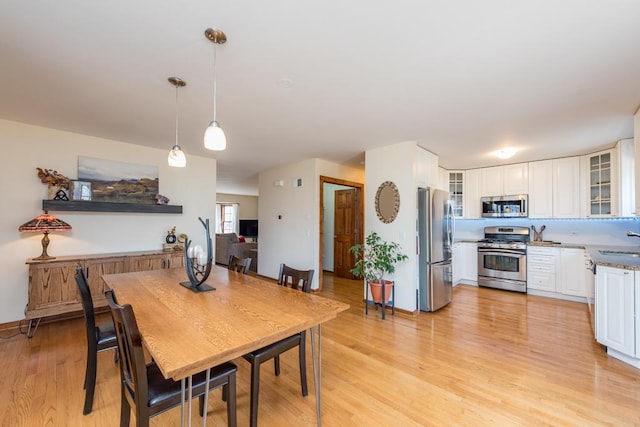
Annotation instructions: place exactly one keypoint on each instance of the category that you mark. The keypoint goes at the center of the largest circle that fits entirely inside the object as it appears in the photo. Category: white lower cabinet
(617, 312)
(558, 270)
(637, 315)
(541, 268)
(456, 263)
(572, 273)
(465, 263)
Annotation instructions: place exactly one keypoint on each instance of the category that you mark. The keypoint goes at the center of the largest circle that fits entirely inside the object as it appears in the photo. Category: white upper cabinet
(443, 179)
(516, 179)
(566, 187)
(541, 189)
(456, 191)
(426, 168)
(472, 194)
(492, 181)
(505, 180)
(596, 185)
(601, 183)
(627, 184)
(609, 189)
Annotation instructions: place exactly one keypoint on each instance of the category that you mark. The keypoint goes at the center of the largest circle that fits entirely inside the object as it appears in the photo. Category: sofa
(228, 244)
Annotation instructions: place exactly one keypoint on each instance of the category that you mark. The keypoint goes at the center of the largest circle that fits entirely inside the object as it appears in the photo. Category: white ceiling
(463, 78)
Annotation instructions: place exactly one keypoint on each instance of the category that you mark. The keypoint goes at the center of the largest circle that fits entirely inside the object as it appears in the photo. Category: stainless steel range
(502, 258)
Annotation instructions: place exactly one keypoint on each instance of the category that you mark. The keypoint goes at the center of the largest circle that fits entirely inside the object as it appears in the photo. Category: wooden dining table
(187, 332)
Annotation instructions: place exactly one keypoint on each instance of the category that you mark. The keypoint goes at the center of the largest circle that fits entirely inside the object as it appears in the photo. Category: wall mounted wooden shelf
(93, 206)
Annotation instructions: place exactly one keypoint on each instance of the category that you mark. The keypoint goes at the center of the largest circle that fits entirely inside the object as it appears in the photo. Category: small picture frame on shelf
(80, 190)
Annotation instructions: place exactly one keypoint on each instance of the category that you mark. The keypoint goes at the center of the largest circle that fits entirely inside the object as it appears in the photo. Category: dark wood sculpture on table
(198, 268)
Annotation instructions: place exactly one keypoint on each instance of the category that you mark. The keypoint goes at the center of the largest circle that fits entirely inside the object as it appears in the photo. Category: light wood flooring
(490, 358)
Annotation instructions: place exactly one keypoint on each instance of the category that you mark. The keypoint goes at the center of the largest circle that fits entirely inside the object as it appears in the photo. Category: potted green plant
(374, 258)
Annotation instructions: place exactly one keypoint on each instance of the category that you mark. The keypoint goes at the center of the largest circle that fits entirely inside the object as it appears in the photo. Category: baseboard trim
(11, 326)
(22, 324)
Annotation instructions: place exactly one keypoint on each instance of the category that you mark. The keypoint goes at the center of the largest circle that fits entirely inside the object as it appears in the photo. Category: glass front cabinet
(456, 190)
(602, 184)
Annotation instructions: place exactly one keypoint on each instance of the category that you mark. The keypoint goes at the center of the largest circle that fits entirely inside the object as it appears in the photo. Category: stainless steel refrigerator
(435, 239)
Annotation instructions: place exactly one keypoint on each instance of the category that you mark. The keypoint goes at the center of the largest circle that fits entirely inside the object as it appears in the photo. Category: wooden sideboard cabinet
(52, 286)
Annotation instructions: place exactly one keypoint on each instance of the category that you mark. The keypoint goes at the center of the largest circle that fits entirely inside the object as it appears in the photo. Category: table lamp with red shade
(45, 223)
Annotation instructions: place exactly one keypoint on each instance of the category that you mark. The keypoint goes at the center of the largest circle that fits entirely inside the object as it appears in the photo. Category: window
(226, 218)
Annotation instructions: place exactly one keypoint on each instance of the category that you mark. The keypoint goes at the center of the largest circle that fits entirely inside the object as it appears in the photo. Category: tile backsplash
(578, 231)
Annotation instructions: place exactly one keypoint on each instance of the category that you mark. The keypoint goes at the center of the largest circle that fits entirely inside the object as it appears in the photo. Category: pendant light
(214, 138)
(176, 157)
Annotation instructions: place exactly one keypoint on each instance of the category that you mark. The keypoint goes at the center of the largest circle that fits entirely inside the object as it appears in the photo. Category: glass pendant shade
(176, 157)
(214, 138)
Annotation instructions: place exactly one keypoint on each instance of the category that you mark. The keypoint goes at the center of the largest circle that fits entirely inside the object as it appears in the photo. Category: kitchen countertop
(628, 262)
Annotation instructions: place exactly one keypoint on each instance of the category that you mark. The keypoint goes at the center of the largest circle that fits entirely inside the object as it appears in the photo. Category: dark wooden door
(345, 231)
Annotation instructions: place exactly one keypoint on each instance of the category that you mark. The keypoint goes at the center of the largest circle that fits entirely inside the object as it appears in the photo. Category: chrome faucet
(632, 234)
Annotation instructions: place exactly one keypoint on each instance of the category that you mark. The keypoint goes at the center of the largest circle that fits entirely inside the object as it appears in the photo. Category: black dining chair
(297, 279)
(143, 387)
(99, 338)
(238, 264)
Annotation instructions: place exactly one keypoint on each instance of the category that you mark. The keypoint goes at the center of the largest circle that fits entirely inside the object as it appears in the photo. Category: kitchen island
(617, 300)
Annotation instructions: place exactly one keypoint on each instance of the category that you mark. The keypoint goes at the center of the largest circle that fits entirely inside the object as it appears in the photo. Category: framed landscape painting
(119, 182)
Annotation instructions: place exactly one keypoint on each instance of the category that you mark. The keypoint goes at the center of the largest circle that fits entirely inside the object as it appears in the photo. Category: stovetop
(505, 237)
(502, 244)
(500, 241)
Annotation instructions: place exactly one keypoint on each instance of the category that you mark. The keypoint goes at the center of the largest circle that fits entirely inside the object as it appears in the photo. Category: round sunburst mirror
(387, 202)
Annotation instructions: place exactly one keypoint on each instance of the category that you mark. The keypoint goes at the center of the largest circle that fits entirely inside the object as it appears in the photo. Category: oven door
(502, 264)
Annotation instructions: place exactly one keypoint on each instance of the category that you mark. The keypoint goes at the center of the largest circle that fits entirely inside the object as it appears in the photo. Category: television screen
(249, 227)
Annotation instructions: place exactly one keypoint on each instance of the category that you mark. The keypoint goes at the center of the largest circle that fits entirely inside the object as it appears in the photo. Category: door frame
(359, 216)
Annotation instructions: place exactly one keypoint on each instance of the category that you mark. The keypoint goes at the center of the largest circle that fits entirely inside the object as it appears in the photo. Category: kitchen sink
(619, 253)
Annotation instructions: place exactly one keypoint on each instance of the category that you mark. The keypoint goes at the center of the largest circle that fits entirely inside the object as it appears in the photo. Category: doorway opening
(341, 225)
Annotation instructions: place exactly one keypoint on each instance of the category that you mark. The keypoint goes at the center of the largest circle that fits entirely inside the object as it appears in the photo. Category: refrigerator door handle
(450, 225)
(453, 223)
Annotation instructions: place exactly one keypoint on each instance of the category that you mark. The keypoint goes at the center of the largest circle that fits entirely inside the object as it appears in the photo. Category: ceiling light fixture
(176, 157)
(505, 153)
(214, 138)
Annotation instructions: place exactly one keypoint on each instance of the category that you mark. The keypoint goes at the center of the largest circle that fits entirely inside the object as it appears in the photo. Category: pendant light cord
(215, 79)
(176, 115)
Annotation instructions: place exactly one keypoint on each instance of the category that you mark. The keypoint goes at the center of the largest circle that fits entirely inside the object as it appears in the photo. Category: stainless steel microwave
(505, 206)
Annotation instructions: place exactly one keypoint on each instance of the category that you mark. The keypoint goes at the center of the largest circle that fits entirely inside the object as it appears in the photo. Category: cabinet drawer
(541, 281)
(532, 250)
(544, 268)
(541, 259)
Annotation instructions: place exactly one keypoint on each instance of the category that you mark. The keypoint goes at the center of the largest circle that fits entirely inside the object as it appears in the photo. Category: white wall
(28, 147)
(247, 205)
(328, 223)
(293, 238)
(394, 163)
